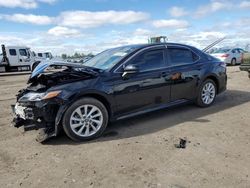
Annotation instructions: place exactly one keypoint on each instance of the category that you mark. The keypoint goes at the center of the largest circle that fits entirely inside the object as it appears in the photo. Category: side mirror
(129, 69)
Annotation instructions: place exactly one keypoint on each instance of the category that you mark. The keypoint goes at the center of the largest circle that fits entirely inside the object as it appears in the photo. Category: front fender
(66, 105)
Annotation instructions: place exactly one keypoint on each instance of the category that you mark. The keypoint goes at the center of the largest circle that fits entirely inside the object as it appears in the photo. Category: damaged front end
(40, 104)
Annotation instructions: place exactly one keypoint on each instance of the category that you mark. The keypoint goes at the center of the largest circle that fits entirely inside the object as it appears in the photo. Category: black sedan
(117, 83)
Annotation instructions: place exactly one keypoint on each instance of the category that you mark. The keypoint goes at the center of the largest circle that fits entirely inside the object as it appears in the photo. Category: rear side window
(40, 55)
(149, 60)
(12, 52)
(180, 56)
(23, 52)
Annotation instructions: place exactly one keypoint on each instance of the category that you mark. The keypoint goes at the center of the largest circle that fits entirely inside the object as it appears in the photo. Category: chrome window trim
(160, 45)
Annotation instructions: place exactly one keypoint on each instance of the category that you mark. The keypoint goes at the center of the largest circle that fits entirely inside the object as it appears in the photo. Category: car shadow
(162, 119)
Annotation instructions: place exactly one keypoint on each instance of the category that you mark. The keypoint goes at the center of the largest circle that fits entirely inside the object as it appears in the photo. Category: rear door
(185, 72)
(147, 88)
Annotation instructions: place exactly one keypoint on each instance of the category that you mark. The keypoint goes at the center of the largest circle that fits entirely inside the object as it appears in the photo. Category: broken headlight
(39, 96)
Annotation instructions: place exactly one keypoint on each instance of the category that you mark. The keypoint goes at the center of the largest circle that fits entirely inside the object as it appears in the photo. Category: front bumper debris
(34, 115)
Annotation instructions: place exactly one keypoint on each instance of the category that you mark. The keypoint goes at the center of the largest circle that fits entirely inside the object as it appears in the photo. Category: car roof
(157, 44)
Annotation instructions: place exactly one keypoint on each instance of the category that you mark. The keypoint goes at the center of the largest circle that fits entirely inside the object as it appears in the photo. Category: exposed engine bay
(61, 77)
(37, 107)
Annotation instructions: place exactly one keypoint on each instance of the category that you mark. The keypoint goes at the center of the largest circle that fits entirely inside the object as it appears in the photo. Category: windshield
(109, 58)
(221, 51)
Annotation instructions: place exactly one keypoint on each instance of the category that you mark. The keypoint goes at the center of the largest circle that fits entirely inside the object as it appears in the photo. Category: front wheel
(85, 119)
(207, 93)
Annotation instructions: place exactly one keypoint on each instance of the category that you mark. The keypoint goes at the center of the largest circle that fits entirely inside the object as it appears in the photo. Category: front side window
(40, 55)
(149, 60)
(23, 52)
(12, 52)
(182, 56)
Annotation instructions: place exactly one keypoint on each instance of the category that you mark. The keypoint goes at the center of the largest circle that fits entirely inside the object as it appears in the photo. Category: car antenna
(213, 44)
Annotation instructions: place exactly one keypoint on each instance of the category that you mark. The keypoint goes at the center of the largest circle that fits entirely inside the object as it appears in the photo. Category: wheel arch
(215, 79)
(63, 108)
(100, 98)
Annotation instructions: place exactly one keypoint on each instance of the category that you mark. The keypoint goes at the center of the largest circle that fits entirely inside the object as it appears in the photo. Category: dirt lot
(138, 152)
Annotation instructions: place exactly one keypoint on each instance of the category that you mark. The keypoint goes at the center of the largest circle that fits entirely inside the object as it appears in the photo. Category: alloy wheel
(86, 120)
(208, 93)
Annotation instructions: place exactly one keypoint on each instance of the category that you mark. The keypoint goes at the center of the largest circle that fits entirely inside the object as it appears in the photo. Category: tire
(211, 94)
(233, 62)
(80, 125)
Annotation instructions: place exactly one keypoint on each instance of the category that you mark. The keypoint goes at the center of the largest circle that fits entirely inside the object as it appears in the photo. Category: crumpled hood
(74, 71)
(45, 64)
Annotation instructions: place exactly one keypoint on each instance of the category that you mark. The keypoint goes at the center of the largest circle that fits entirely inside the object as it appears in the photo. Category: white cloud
(47, 1)
(199, 39)
(171, 24)
(11, 40)
(178, 12)
(80, 19)
(245, 4)
(27, 4)
(243, 22)
(28, 18)
(213, 6)
(87, 19)
(142, 32)
(207, 35)
(60, 31)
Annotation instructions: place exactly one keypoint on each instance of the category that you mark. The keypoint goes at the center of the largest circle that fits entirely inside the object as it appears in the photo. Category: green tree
(64, 56)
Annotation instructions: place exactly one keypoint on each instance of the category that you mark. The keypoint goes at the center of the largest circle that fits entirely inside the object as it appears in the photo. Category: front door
(146, 88)
(24, 57)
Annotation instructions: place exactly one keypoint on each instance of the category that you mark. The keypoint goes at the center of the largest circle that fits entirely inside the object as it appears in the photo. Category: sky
(83, 26)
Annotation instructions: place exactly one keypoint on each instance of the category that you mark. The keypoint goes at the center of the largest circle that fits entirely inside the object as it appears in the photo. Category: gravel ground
(138, 152)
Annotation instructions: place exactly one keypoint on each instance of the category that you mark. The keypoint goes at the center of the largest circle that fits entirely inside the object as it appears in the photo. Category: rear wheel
(207, 93)
(85, 119)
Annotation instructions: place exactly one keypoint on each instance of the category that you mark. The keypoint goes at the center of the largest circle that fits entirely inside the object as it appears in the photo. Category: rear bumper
(222, 83)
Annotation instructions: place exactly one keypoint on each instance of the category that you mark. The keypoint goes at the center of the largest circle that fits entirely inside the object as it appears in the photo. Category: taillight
(225, 55)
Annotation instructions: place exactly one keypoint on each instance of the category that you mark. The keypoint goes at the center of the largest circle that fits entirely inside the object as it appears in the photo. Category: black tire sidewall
(233, 62)
(76, 104)
(199, 101)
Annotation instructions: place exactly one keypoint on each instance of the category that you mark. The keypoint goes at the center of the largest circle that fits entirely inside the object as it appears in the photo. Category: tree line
(76, 55)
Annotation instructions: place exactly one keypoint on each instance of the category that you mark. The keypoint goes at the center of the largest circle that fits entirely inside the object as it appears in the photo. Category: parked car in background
(116, 84)
(229, 56)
